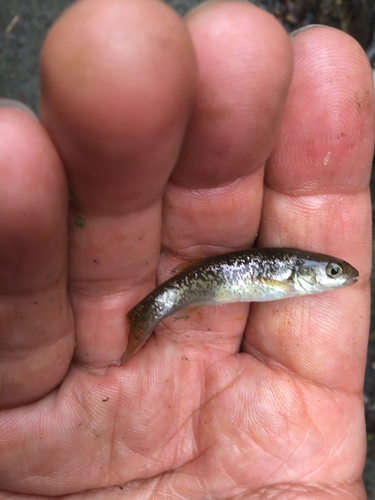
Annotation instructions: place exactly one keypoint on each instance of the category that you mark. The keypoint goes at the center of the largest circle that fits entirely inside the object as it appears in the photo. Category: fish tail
(133, 344)
(138, 331)
(144, 317)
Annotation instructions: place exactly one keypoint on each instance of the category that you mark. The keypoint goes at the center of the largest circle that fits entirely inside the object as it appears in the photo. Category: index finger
(317, 198)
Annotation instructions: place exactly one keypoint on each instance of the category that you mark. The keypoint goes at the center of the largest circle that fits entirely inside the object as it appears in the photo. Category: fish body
(254, 275)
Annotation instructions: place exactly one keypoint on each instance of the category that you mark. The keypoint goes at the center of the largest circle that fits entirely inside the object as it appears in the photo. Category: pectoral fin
(190, 309)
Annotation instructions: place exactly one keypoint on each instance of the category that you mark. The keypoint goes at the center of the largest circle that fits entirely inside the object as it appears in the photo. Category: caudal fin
(132, 346)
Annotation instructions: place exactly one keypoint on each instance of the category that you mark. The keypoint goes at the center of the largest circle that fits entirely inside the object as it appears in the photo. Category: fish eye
(333, 270)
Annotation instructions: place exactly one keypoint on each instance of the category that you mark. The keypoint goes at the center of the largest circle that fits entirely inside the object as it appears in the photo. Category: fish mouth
(353, 275)
(352, 280)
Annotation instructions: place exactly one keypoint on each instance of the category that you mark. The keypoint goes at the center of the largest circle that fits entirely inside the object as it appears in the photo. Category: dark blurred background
(23, 27)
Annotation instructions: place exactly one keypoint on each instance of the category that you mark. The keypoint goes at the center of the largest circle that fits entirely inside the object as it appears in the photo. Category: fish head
(314, 275)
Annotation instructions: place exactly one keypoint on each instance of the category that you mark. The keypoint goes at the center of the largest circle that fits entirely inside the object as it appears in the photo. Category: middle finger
(213, 202)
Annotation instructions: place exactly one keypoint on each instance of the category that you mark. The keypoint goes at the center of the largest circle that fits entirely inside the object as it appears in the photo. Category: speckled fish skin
(254, 275)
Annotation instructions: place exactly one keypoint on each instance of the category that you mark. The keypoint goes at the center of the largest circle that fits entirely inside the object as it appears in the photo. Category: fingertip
(245, 66)
(14, 104)
(30, 162)
(33, 197)
(326, 143)
(117, 81)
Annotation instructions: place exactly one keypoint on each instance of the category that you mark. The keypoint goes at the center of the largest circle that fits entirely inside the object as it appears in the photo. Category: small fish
(254, 275)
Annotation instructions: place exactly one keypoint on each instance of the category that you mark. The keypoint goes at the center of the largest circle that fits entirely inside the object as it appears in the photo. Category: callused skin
(254, 275)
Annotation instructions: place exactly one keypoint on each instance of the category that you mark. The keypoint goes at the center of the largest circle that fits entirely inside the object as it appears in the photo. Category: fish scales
(254, 275)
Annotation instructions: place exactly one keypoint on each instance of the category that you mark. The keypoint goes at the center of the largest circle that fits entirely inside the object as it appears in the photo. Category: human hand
(188, 416)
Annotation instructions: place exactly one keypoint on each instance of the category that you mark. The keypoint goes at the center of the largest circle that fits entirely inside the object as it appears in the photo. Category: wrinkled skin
(198, 137)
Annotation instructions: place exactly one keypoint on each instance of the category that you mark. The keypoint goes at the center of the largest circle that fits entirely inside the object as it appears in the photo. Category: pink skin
(133, 96)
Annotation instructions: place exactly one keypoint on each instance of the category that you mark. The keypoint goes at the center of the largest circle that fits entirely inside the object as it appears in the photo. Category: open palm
(181, 135)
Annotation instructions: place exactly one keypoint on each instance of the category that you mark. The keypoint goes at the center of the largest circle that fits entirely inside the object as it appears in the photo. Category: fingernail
(296, 32)
(209, 2)
(12, 103)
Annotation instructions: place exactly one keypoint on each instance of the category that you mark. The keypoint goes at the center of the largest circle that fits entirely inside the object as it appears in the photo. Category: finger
(118, 78)
(213, 202)
(36, 327)
(317, 198)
